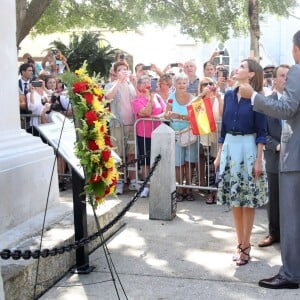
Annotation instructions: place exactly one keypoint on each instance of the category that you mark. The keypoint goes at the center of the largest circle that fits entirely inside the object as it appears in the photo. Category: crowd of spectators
(42, 94)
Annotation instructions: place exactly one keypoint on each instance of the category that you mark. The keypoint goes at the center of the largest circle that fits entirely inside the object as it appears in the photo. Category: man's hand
(246, 90)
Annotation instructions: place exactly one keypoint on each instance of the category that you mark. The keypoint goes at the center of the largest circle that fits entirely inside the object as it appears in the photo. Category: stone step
(19, 275)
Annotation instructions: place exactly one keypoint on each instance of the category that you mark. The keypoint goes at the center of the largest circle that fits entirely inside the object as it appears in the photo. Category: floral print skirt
(237, 187)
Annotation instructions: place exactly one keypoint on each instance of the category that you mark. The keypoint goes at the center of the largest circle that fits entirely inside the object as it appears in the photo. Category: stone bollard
(1, 287)
(162, 201)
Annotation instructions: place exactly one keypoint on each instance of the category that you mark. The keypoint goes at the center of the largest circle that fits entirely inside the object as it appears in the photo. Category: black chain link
(133, 161)
(35, 254)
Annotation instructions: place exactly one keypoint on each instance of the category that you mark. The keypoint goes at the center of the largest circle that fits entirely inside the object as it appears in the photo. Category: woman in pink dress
(147, 104)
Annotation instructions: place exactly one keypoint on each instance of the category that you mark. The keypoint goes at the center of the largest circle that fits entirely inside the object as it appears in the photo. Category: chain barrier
(133, 161)
(35, 254)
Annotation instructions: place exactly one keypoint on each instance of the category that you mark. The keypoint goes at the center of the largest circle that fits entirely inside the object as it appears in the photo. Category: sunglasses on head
(207, 83)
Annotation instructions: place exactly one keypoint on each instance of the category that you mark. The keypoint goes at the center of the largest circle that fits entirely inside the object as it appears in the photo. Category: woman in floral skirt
(243, 184)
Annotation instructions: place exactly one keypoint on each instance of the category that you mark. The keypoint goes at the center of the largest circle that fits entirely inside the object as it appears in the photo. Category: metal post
(80, 224)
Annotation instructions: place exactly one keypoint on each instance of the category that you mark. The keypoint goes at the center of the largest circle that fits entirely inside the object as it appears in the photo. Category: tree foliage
(200, 19)
(89, 47)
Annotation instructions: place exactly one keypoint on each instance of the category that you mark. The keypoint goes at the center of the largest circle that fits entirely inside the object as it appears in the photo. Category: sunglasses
(207, 83)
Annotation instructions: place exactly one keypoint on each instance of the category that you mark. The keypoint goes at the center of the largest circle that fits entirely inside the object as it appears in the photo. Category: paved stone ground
(189, 257)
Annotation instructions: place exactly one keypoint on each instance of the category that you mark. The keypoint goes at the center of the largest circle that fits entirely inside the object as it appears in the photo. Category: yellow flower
(87, 79)
(80, 72)
(95, 158)
(97, 91)
(110, 163)
(100, 142)
(97, 105)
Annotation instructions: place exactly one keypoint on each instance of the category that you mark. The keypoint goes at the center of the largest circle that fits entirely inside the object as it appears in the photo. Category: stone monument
(26, 163)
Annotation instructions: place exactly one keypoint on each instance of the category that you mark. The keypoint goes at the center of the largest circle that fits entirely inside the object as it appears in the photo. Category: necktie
(25, 88)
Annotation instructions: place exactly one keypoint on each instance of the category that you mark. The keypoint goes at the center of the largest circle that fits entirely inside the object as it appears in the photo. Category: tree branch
(28, 16)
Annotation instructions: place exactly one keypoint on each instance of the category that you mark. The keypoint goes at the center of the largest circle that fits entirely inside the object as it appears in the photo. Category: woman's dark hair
(257, 80)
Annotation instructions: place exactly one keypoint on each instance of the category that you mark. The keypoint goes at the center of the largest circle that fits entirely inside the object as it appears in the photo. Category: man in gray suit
(271, 155)
(287, 109)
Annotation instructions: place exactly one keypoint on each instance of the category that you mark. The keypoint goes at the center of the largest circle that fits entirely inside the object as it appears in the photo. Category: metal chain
(35, 254)
(133, 161)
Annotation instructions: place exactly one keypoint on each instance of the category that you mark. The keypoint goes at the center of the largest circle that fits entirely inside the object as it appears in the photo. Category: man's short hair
(24, 67)
(296, 39)
(280, 66)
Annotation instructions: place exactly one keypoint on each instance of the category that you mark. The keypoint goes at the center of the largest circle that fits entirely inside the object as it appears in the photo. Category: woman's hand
(257, 168)
(217, 163)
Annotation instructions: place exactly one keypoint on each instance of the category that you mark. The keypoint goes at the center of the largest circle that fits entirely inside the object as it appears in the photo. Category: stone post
(162, 201)
(25, 162)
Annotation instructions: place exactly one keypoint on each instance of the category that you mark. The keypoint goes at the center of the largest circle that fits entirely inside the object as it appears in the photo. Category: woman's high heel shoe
(238, 251)
(244, 256)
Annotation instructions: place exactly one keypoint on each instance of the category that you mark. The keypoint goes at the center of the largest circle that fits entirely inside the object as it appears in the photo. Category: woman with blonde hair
(185, 157)
(243, 183)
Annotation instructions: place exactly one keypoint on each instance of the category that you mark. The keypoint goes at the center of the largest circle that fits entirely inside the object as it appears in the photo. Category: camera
(54, 51)
(212, 88)
(37, 83)
(122, 56)
(146, 68)
(55, 103)
(221, 52)
(174, 65)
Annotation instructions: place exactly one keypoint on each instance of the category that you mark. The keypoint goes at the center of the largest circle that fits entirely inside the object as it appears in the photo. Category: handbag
(185, 137)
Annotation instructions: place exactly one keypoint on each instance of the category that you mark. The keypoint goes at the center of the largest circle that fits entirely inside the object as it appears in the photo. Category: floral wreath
(93, 146)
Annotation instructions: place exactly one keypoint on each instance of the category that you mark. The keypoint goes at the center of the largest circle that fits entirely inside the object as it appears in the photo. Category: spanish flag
(201, 116)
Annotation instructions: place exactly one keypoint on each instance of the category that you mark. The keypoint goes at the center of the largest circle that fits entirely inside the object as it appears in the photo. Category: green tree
(200, 19)
(88, 47)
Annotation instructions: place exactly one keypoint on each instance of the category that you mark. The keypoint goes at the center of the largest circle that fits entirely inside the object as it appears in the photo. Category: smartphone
(36, 83)
(174, 65)
(146, 68)
(153, 85)
(221, 52)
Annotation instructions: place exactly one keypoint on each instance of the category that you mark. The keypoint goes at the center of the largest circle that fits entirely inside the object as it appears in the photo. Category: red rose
(91, 117)
(80, 87)
(104, 174)
(100, 97)
(88, 97)
(107, 191)
(106, 155)
(170, 101)
(95, 178)
(92, 145)
(108, 141)
(114, 181)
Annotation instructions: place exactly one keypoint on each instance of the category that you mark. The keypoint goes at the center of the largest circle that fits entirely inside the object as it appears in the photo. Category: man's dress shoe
(268, 241)
(278, 282)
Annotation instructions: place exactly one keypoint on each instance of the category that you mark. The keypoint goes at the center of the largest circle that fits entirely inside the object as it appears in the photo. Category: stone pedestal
(25, 162)
(26, 166)
(162, 201)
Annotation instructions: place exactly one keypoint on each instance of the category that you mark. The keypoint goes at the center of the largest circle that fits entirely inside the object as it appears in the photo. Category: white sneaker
(145, 192)
(119, 187)
(133, 186)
